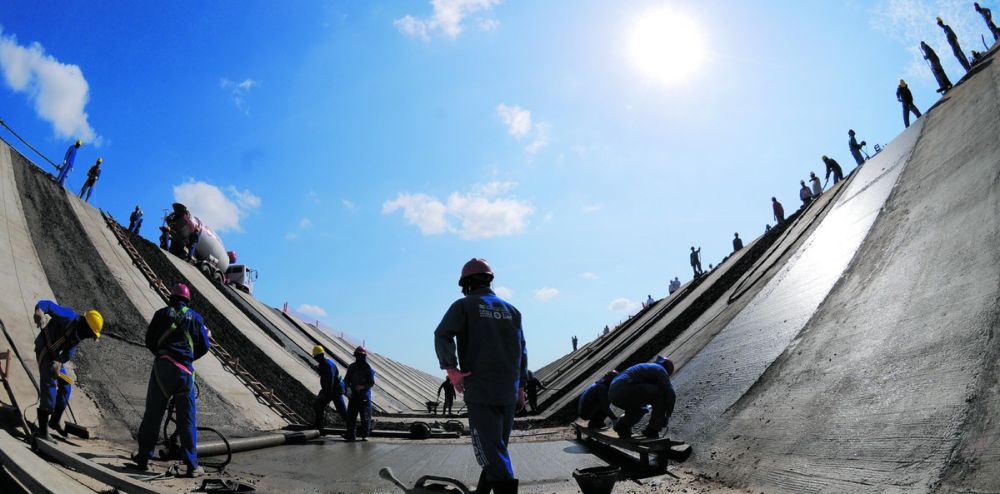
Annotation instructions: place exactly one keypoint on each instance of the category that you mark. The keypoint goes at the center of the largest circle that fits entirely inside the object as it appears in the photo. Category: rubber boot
(484, 486)
(43, 425)
(505, 487)
(55, 420)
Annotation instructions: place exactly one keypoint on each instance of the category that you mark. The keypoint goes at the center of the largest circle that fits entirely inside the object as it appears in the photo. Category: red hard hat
(475, 266)
(182, 291)
(360, 351)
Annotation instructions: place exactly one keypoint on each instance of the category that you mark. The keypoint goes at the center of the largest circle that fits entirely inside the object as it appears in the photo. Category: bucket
(597, 480)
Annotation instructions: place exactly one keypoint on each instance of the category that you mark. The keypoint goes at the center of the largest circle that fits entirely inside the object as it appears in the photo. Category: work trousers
(61, 178)
(489, 427)
(359, 404)
(956, 48)
(907, 108)
(449, 402)
(322, 401)
(633, 397)
(135, 226)
(54, 393)
(167, 380)
(860, 160)
(87, 188)
(696, 267)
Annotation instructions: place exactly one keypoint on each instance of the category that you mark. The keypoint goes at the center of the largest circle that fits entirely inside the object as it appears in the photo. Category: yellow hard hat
(902, 83)
(95, 320)
(100, 160)
(79, 142)
(318, 350)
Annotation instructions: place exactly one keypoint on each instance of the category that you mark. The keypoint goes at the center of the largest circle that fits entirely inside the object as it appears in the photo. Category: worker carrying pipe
(331, 388)
(55, 345)
(176, 336)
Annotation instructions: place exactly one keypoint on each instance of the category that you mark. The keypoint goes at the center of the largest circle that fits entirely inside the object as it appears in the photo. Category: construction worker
(67, 162)
(532, 387)
(135, 220)
(490, 368)
(675, 284)
(359, 380)
(649, 300)
(55, 345)
(805, 194)
(449, 396)
(639, 386)
(944, 84)
(574, 341)
(904, 96)
(176, 337)
(988, 18)
(778, 210)
(855, 148)
(817, 188)
(956, 48)
(737, 242)
(594, 405)
(696, 261)
(93, 174)
(833, 167)
(331, 388)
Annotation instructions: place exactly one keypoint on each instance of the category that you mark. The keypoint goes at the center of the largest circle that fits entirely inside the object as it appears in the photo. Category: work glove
(457, 378)
(522, 396)
(54, 367)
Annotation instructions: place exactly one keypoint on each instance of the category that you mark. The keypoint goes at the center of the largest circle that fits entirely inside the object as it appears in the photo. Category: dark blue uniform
(55, 345)
(359, 380)
(594, 405)
(67, 164)
(177, 337)
(490, 346)
(638, 386)
(331, 389)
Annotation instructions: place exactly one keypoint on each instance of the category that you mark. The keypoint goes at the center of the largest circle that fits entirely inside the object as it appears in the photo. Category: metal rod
(270, 440)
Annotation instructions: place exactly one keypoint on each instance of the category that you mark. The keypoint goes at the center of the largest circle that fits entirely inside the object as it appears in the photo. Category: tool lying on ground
(664, 449)
(428, 484)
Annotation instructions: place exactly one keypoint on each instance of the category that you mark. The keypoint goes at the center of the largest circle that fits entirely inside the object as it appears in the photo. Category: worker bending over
(594, 405)
(55, 345)
(641, 385)
(176, 336)
(359, 380)
(331, 388)
(491, 368)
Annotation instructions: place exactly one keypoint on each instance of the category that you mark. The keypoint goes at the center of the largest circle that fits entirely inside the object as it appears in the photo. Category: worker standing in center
(904, 96)
(359, 378)
(331, 388)
(67, 162)
(491, 368)
(956, 48)
(176, 336)
(55, 345)
(93, 174)
(449, 396)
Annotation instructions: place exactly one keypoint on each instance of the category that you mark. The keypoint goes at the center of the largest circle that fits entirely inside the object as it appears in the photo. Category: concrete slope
(871, 364)
(147, 302)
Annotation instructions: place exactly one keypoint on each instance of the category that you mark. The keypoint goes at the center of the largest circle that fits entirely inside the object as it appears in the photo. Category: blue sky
(358, 153)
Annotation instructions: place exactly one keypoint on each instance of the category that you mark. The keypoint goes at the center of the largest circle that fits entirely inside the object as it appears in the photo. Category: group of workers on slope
(358, 381)
(93, 174)
(639, 389)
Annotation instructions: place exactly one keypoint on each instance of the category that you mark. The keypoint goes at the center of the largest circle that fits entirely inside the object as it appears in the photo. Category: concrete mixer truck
(183, 232)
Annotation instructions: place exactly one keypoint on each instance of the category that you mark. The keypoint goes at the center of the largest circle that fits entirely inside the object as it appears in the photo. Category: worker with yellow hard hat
(331, 388)
(67, 162)
(93, 174)
(55, 345)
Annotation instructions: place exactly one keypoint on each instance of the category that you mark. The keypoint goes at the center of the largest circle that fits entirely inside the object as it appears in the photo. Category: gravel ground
(114, 372)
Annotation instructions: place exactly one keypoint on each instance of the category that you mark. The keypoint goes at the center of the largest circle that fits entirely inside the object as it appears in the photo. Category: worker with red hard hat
(490, 368)
(176, 336)
(359, 378)
(638, 387)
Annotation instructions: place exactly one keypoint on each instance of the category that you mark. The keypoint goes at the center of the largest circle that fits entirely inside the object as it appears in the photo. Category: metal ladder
(232, 364)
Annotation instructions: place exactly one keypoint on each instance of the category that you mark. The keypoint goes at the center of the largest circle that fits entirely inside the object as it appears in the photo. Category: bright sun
(667, 45)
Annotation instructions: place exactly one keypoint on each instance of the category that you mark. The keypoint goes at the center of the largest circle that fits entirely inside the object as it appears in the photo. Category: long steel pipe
(215, 448)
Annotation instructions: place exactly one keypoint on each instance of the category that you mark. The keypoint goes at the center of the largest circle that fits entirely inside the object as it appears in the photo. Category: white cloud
(587, 276)
(312, 310)
(624, 304)
(313, 197)
(541, 138)
(592, 208)
(220, 212)
(447, 18)
(517, 119)
(545, 294)
(911, 21)
(348, 205)
(503, 292)
(473, 215)
(239, 91)
(58, 90)
(305, 223)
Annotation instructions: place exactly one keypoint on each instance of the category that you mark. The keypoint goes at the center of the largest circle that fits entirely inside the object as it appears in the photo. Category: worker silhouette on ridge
(67, 162)
(817, 189)
(449, 396)
(737, 242)
(778, 210)
(855, 148)
(833, 167)
(904, 96)
(331, 389)
(594, 405)
(574, 341)
(696, 261)
(956, 48)
(359, 379)
(944, 84)
(805, 194)
(93, 174)
(988, 18)
(135, 220)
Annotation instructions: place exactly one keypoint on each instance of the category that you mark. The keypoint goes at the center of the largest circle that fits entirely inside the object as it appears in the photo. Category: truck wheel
(217, 277)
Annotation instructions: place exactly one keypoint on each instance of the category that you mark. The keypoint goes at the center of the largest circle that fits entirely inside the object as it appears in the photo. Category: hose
(171, 440)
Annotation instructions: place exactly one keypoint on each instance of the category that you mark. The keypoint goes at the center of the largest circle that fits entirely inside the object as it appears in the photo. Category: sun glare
(667, 45)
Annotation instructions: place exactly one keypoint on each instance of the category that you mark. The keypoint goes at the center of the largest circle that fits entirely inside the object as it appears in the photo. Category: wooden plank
(34, 473)
(101, 473)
